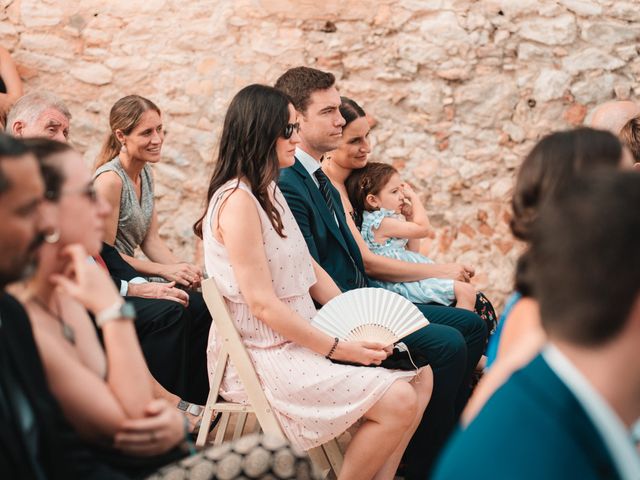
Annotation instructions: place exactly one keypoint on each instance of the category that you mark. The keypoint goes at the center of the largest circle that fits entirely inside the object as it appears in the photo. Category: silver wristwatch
(120, 310)
(189, 408)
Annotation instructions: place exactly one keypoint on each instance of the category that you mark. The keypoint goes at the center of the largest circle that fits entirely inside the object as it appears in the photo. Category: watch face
(128, 310)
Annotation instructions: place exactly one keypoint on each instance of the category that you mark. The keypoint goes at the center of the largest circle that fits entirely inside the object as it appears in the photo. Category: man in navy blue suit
(568, 414)
(454, 341)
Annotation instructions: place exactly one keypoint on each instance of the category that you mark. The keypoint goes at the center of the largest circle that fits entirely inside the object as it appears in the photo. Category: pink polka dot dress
(313, 398)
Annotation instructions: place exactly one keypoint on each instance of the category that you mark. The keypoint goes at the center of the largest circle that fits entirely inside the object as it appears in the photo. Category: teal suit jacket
(330, 243)
(532, 428)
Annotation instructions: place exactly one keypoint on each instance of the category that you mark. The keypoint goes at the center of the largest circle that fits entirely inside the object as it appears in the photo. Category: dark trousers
(453, 344)
(198, 337)
(174, 343)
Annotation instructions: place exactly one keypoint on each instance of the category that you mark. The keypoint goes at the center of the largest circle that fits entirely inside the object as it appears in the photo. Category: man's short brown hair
(300, 82)
(630, 136)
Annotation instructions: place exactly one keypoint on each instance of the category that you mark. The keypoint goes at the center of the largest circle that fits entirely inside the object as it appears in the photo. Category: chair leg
(207, 416)
(334, 455)
(320, 461)
(222, 428)
(212, 397)
(241, 421)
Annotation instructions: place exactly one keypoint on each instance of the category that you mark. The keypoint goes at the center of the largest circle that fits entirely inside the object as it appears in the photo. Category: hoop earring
(123, 148)
(52, 237)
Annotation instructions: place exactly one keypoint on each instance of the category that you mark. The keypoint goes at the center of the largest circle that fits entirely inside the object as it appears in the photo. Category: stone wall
(460, 89)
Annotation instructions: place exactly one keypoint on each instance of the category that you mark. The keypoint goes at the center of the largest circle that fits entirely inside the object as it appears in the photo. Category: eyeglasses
(88, 191)
(288, 130)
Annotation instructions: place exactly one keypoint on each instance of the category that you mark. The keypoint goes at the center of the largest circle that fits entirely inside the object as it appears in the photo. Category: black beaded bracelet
(333, 349)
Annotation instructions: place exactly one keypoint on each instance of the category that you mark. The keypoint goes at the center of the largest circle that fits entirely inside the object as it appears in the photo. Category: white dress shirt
(310, 164)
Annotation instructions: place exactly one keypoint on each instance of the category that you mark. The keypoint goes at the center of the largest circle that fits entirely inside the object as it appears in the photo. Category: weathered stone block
(442, 28)
(95, 74)
(583, 7)
(609, 33)
(550, 84)
(594, 89)
(560, 30)
(589, 59)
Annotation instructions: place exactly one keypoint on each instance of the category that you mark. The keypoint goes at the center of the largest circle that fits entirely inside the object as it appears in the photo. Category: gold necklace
(67, 331)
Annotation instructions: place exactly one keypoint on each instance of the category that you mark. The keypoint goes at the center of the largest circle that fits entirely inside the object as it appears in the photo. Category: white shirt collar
(614, 434)
(309, 163)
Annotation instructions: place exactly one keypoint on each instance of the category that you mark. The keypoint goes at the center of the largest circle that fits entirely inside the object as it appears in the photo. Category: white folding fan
(370, 314)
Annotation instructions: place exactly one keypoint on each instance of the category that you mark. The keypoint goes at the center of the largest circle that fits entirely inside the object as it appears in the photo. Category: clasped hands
(362, 352)
(185, 274)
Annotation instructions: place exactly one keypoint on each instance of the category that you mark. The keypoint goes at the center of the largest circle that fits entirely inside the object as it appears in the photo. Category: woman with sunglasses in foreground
(256, 253)
(107, 394)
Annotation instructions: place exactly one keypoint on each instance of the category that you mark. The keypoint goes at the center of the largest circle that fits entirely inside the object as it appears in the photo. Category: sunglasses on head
(288, 130)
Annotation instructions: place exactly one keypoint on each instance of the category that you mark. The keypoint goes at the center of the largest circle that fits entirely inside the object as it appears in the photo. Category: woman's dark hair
(369, 179)
(256, 118)
(124, 115)
(350, 110)
(53, 177)
(552, 165)
(547, 171)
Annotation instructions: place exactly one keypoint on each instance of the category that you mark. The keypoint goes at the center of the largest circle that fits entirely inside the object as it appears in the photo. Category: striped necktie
(325, 190)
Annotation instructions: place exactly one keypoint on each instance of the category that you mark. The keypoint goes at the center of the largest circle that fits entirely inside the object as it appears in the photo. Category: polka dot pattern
(314, 399)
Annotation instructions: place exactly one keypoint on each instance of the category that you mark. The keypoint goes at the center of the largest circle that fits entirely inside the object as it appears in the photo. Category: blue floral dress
(429, 290)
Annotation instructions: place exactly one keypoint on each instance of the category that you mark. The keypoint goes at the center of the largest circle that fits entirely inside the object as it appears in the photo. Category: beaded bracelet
(333, 349)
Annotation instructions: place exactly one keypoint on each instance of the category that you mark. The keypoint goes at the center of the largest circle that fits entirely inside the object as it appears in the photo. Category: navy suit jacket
(118, 267)
(532, 428)
(330, 243)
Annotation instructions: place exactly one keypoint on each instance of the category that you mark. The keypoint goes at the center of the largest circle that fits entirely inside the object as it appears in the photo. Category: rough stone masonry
(460, 89)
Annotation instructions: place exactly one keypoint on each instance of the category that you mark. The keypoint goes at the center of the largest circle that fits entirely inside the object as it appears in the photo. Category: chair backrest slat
(226, 331)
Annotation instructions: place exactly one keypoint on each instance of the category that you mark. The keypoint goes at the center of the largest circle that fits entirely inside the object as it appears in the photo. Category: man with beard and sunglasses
(35, 439)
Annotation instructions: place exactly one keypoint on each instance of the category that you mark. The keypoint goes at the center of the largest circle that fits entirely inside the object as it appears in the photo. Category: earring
(123, 148)
(52, 237)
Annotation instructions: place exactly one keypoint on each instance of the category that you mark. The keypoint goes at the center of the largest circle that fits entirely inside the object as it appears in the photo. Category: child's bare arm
(393, 227)
(416, 213)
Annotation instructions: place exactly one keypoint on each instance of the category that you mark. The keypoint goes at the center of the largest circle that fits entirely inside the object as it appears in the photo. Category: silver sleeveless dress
(135, 215)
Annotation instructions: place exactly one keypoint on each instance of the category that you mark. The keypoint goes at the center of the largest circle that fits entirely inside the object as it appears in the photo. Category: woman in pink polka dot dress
(259, 259)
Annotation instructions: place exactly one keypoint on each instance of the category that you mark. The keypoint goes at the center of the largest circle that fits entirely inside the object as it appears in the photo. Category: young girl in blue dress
(393, 223)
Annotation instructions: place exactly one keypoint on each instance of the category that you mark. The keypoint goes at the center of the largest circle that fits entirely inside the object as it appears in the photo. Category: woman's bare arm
(99, 405)
(239, 229)
(86, 399)
(524, 339)
(11, 79)
(162, 262)
(325, 288)
(154, 246)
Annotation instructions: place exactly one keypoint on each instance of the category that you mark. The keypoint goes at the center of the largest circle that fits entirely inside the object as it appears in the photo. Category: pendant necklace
(67, 331)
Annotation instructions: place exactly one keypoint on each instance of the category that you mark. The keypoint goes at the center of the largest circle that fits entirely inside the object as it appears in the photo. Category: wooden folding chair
(327, 457)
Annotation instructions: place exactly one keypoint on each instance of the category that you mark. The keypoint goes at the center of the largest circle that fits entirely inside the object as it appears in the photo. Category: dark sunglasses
(288, 130)
(89, 191)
